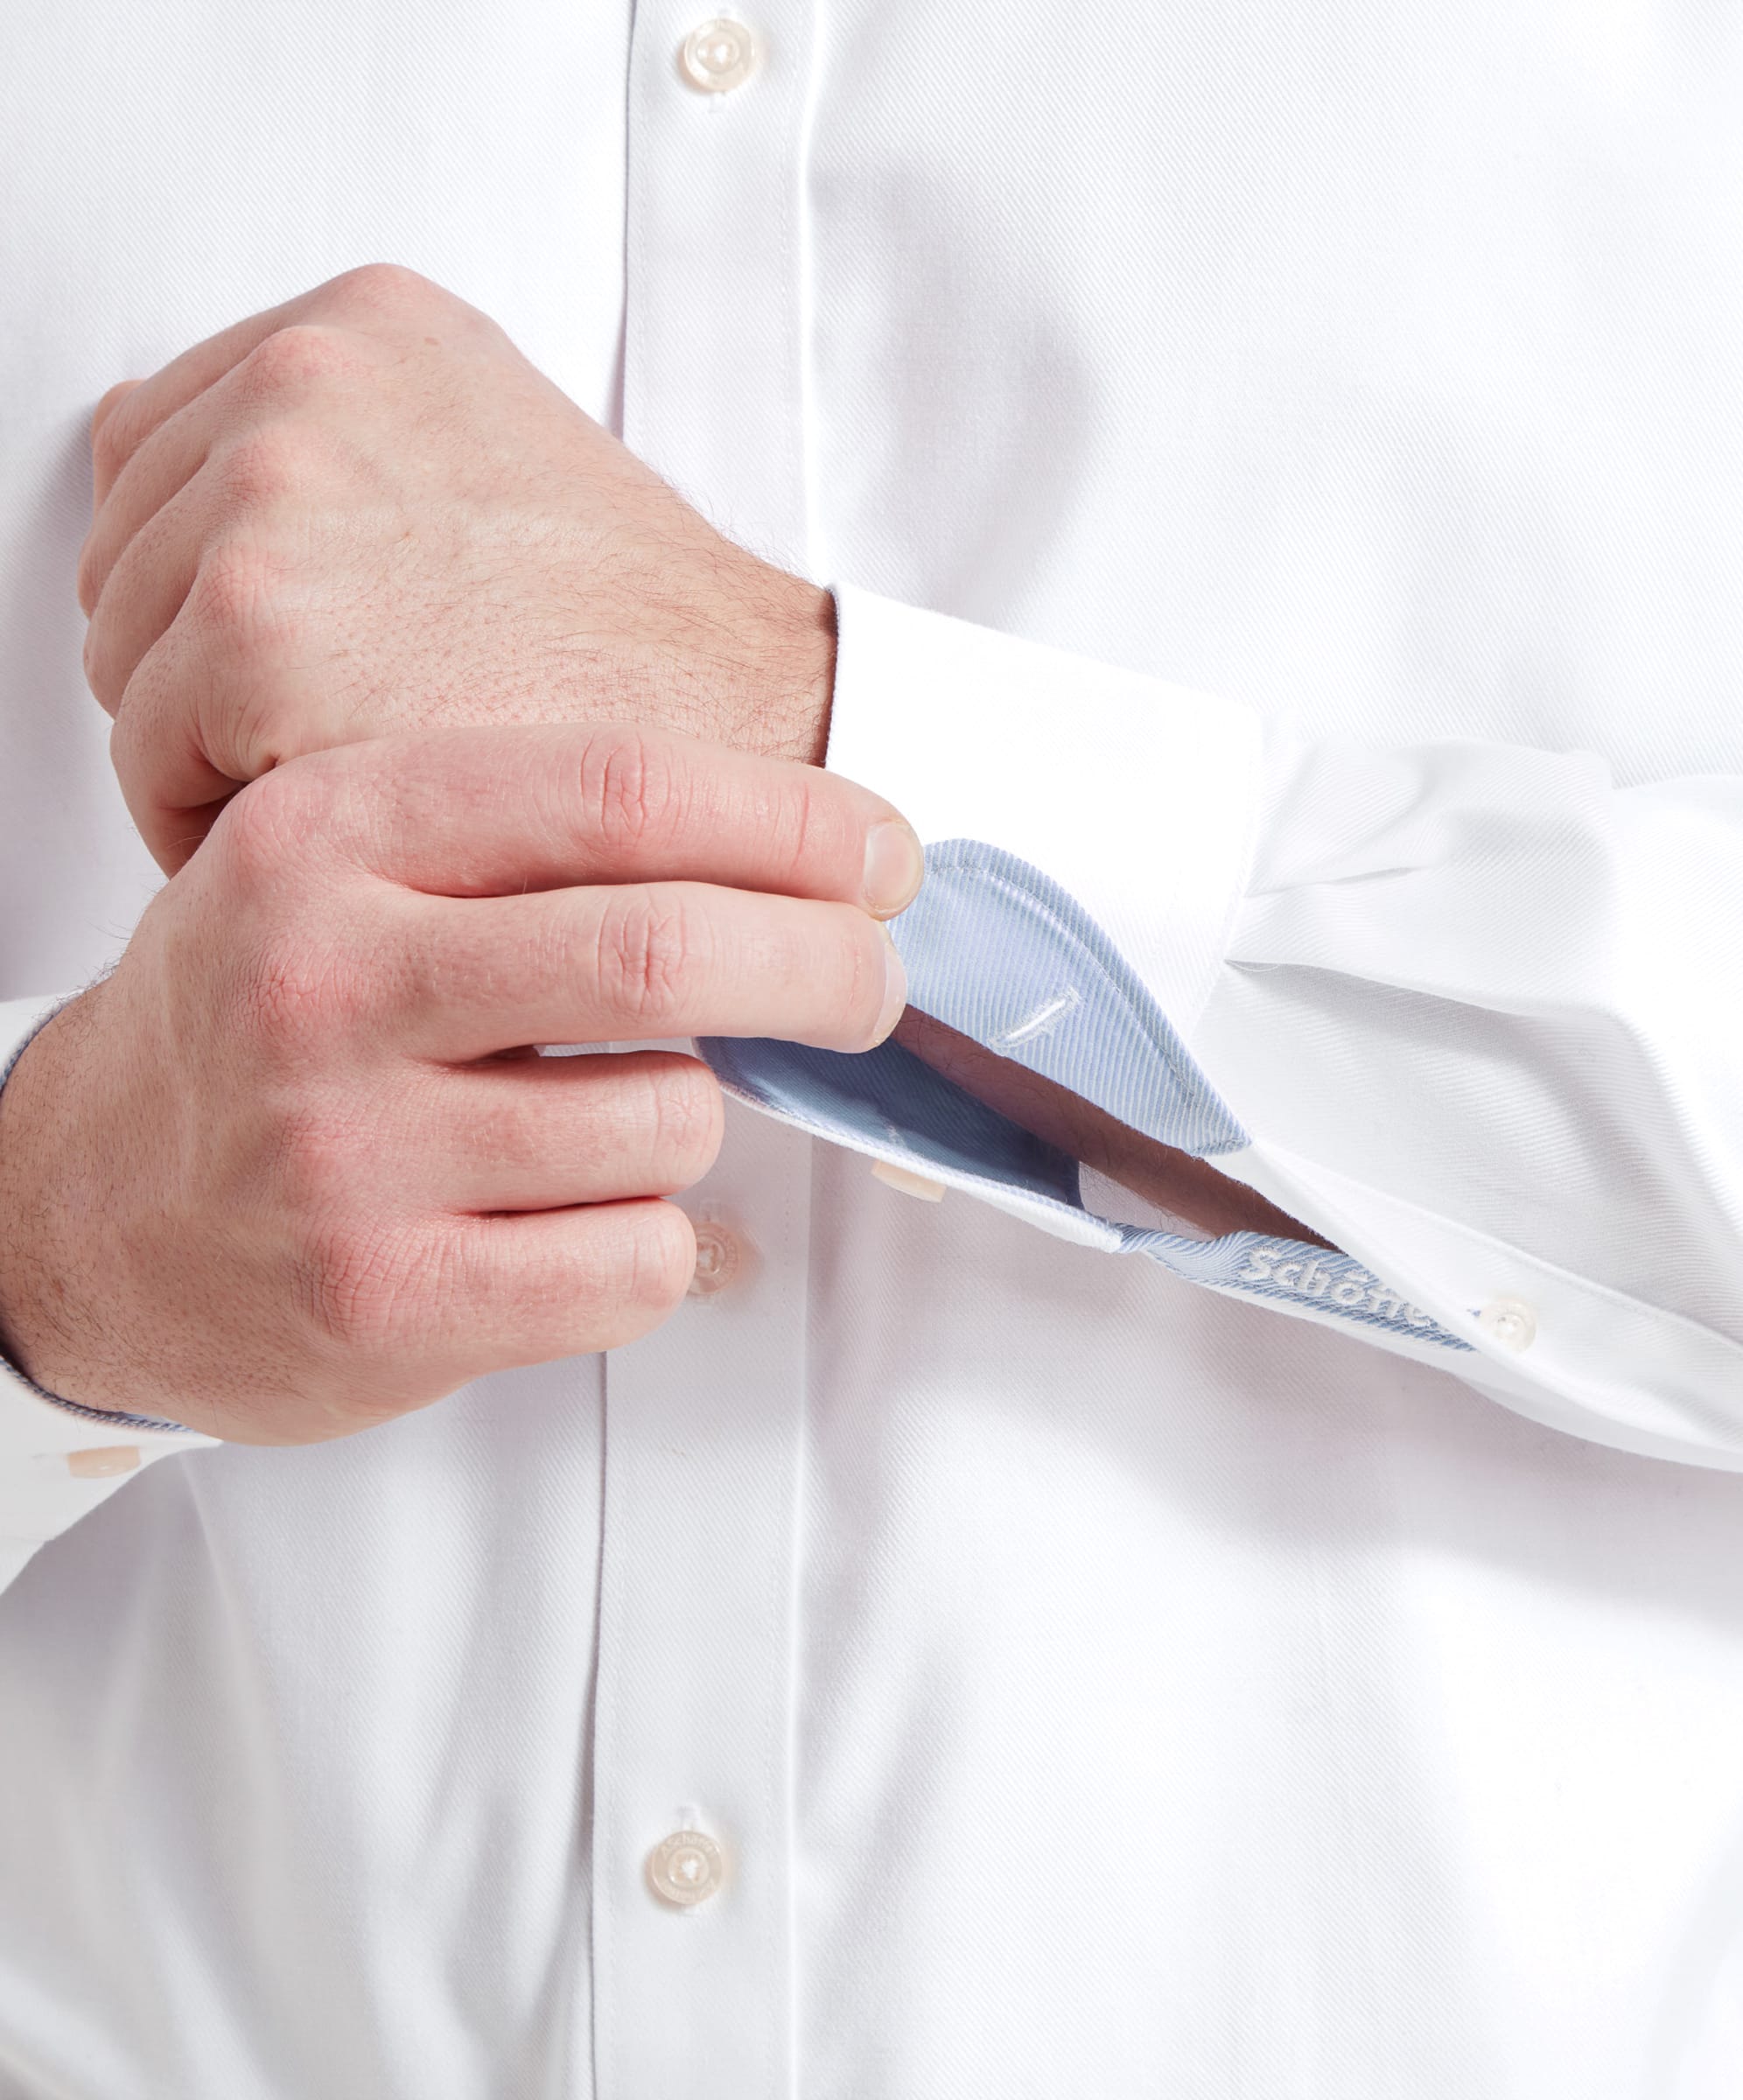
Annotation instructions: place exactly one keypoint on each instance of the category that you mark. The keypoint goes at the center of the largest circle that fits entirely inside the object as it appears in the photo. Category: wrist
(38, 1314)
(785, 709)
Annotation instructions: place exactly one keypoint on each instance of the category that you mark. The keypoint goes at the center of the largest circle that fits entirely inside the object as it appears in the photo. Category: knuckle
(644, 951)
(295, 359)
(136, 734)
(629, 789)
(232, 599)
(113, 441)
(253, 834)
(362, 1282)
(800, 821)
(95, 658)
(660, 1259)
(300, 994)
(380, 288)
(265, 464)
(251, 725)
(689, 1122)
(92, 561)
(263, 837)
(316, 1155)
(865, 977)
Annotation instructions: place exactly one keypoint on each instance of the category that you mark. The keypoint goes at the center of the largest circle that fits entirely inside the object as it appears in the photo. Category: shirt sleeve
(58, 1460)
(1465, 1008)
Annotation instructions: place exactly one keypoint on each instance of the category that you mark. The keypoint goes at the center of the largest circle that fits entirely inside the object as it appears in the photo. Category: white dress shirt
(1283, 474)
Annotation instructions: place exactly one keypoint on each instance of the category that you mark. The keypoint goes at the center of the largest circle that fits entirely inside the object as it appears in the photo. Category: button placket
(694, 1689)
(713, 350)
(687, 1867)
(694, 1686)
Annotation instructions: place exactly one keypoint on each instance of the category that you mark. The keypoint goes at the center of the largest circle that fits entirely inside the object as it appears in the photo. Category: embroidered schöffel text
(1298, 1269)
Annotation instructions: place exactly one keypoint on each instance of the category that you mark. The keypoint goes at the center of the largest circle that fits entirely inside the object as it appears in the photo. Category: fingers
(160, 467)
(130, 413)
(549, 1133)
(531, 1289)
(190, 709)
(242, 435)
(100, 415)
(371, 298)
(435, 1303)
(487, 812)
(641, 962)
(142, 592)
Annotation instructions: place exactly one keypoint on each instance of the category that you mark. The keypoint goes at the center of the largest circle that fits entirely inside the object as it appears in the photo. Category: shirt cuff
(59, 1460)
(1113, 902)
(1089, 833)
(1140, 798)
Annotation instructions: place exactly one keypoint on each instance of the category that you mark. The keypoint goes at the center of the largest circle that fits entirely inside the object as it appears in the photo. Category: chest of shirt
(1377, 366)
(997, 1603)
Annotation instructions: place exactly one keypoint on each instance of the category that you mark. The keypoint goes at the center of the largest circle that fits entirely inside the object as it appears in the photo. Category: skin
(363, 512)
(273, 1177)
(458, 731)
(290, 1169)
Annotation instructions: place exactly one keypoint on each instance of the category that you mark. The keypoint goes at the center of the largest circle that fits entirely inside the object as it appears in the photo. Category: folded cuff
(1137, 798)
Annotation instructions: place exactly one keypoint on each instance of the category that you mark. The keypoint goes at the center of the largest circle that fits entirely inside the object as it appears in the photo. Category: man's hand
(364, 511)
(275, 1177)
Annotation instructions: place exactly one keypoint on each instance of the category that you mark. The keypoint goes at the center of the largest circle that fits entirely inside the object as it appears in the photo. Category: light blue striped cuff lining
(996, 950)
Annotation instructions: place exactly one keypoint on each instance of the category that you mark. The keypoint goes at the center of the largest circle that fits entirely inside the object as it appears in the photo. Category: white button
(686, 1868)
(718, 55)
(718, 1258)
(1512, 1322)
(909, 1183)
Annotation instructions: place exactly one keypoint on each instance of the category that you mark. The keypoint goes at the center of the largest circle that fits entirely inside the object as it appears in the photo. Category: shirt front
(1283, 476)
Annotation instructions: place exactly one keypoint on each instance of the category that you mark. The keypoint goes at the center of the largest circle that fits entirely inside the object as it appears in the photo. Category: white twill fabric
(1283, 472)
(1338, 934)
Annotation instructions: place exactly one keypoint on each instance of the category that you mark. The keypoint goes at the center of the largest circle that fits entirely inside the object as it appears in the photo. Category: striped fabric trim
(996, 950)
